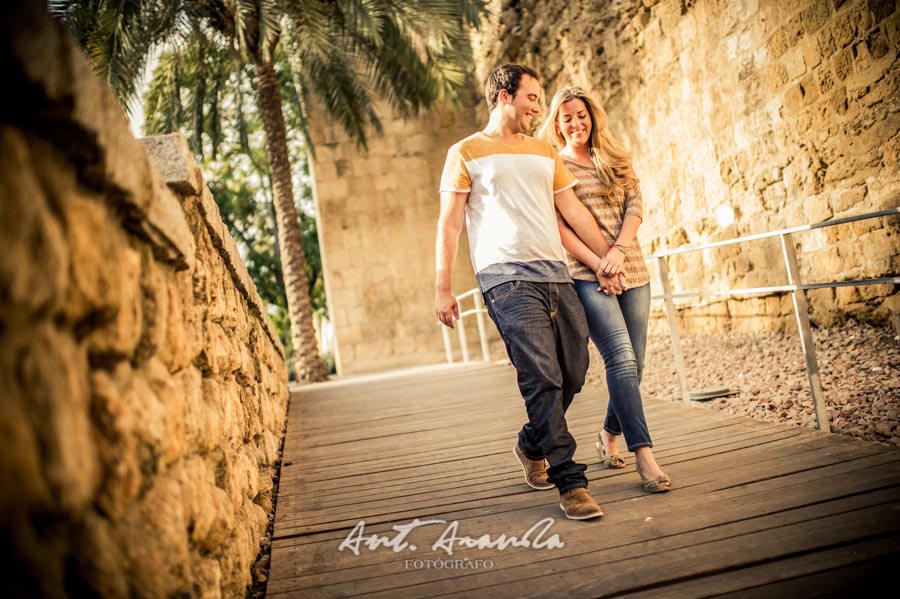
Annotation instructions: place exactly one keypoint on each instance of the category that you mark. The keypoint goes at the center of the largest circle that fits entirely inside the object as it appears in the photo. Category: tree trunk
(309, 366)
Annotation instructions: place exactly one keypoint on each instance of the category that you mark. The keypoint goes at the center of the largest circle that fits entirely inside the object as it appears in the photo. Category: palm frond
(119, 35)
(270, 18)
(343, 90)
(214, 119)
(419, 62)
(296, 96)
(311, 26)
(162, 105)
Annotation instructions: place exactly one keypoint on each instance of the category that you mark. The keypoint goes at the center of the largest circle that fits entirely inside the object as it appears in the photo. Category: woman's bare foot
(646, 464)
(609, 457)
(610, 441)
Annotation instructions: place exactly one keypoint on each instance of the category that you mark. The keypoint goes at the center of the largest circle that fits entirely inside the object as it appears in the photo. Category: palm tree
(345, 52)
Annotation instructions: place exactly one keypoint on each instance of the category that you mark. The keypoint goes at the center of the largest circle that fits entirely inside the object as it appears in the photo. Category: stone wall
(766, 113)
(778, 113)
(377, 217)
(143, 389)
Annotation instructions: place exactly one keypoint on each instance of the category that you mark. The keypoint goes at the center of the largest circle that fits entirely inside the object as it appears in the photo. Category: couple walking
(553, 243)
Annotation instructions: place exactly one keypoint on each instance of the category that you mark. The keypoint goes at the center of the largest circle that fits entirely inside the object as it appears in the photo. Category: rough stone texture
(377, 213)
(143, 392)
(172, 158)
(786, 113)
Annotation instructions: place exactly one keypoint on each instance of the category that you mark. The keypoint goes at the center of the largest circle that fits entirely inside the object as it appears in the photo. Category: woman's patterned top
(609, 209)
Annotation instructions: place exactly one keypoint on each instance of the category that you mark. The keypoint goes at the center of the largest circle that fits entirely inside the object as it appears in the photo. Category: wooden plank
(438, 445)
(844, 484)
(864, 567)
(611, 568)
(760, 463)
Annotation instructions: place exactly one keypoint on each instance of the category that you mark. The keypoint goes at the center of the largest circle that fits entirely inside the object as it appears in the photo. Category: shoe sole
(525, 474)
(585, 517)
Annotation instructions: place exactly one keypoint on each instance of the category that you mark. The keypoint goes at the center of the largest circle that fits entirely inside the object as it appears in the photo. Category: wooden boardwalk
(759, 510)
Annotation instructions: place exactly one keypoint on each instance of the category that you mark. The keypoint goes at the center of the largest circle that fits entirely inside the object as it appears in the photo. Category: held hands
(612, 262)
(613, 285)
(446, 308)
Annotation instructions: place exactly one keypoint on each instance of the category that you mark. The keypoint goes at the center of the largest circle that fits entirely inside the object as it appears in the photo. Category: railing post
(479, 319)
(673, 327)
(463, 344)
(448, 351)
(801, 311)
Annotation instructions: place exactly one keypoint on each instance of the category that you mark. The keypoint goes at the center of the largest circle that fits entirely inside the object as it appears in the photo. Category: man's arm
(580, 219)
(450, 224)
(575, 246)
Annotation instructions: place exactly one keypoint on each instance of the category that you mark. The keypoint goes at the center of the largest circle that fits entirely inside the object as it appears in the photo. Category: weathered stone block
(53, 370)
(167, 229)
(848, 200)
(174, 162)
(118, 336)
(201, 424)
(847, 295)
(117, 446)
(817, 208)
(154, 307)
(23, 469)
(183, 335)
(207, 574)
(218, 307)
(793, 100)
(150, 426)
(842, 64)
(155, 533)
(174, 410)
(213, 517)
(99, 563)
(815, 16)
(34, 262)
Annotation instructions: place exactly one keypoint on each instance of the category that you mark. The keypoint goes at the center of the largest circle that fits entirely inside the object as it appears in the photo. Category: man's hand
(612, 263)
(613, 285)
(446, 308)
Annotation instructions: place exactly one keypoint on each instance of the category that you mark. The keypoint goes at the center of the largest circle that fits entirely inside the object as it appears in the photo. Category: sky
(137, 105)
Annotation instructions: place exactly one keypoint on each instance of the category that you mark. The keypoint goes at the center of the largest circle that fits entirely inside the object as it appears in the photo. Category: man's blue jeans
(546, 337)
(618, 327)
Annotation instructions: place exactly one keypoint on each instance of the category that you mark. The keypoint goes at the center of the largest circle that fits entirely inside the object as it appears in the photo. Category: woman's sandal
(660, 484)
(614, 461)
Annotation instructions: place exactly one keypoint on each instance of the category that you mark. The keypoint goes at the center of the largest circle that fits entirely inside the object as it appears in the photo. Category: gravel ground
(859, 367)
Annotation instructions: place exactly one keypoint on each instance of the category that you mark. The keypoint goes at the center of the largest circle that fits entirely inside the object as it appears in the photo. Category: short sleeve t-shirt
(510, 212)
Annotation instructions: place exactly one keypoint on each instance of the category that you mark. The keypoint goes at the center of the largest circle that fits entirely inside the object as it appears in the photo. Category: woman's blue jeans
(618, 327)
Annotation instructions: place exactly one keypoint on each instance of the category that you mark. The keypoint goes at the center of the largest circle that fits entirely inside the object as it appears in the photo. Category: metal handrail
(794, 287)
(478, 311)
(777, 288)
(755, 236)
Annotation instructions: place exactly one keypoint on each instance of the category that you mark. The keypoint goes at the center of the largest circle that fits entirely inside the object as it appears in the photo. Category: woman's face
(575, 122)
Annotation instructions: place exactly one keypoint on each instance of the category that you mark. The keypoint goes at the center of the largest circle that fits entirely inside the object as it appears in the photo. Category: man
(504, 185)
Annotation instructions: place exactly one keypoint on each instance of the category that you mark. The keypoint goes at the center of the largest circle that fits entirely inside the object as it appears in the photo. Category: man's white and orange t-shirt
(510, 213)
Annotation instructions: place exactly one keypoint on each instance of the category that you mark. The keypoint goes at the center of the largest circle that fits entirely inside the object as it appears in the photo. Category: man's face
(525, 105)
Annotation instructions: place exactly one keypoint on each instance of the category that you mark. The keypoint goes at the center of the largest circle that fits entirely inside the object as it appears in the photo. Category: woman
(617, 317)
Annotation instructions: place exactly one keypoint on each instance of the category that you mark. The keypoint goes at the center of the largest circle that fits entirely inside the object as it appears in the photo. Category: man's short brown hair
(507, 77)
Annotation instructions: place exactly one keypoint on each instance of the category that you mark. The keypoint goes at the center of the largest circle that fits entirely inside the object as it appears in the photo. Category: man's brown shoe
(535, 471)
(579, 505)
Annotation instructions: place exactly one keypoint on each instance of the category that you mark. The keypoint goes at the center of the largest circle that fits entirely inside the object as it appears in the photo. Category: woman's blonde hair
(608, 154)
